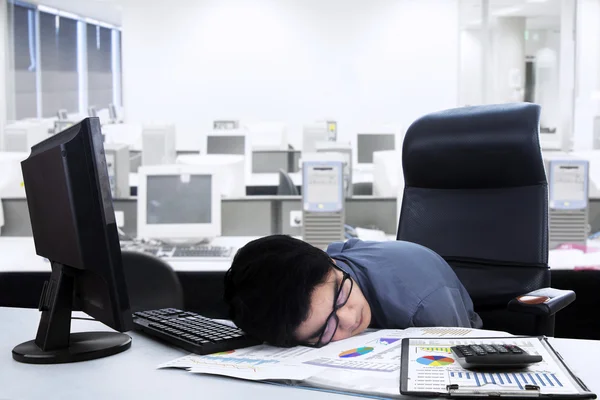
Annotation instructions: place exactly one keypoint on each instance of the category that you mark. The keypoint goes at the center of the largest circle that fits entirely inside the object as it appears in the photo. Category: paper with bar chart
(432, 366)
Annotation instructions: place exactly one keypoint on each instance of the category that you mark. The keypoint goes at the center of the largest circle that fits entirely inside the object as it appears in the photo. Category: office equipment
(178, 203)
(226, 124)
(483, 355)
(313, 133)
(388, 178)
(183, 252)
(286, 185)
(11, 178)
(368, 143)
(267, 135)
(62, 114)
(21, 136)
(344, 149)
(191, 331)
(271, 161)
(112, 113)
(92, 111)
(483, 212)
(323, 215)
(549, 378)
(73, 225)
(158, 144)
(233, 142)
(229, 169)
(117, 163)
(568, 199)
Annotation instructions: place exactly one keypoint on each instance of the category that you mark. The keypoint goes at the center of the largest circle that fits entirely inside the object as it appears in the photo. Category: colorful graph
(386, 341)
(435, 361)
(436, 349)
(356, 352)
(223, 353)
(507, 379)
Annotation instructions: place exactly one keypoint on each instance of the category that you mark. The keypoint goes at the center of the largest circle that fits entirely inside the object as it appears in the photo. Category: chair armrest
(546, 301)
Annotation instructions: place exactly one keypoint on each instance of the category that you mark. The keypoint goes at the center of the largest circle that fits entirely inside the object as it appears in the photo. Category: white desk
(129, 375)
(133, 374)
(18, 255)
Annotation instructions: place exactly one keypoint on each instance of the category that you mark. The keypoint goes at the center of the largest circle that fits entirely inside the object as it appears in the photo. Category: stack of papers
(367, 364)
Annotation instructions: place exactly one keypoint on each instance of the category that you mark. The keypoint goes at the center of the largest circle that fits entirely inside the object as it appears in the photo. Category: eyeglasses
(340, 301)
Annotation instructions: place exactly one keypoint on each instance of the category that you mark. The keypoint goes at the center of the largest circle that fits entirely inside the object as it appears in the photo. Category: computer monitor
(267, 135)
(112, 113)
(73, 224)
(62, 114)
(367, 143)
(178, 203)
(271, 161)
(388, 178)
(345, 149)
(313, 133)
(229, 171)
(21, 136)
(235, 142)
(92, 112)
(117, 162)
(11, 176)
(158, 144)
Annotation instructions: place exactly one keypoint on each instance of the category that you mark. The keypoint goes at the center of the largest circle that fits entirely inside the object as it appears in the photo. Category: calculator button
(478, 350)
(500, 349)
(489, 349)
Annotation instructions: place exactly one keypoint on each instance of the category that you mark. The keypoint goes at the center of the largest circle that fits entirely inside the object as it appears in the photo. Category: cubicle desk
(128, 375)
(244, 216)
(133, 374)
(22, 275)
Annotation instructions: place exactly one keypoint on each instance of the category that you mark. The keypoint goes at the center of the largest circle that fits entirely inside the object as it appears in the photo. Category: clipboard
(428, 369)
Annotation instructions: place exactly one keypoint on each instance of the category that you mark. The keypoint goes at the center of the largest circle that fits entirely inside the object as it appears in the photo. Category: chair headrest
(489, 146)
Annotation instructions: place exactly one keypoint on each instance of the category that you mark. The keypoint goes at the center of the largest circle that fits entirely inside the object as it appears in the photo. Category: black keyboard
(191, 331)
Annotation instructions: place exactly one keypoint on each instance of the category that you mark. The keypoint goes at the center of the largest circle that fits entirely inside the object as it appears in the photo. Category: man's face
(354, 316)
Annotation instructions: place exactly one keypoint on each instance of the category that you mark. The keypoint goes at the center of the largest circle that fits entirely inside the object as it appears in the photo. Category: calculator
(493, 356)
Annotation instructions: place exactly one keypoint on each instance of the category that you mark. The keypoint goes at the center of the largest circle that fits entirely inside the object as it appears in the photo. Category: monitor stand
(54, 342)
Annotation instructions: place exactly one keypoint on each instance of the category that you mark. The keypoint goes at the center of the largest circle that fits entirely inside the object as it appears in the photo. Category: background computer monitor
(313, 133)
(229, 171)
(267, 135)
(117, 162)
(73, 224)
(112, 113)
(367, 143)
(178, 202)
(158, 144)
(92, 112)
(234, 141)
(21, 136)
(62, 114)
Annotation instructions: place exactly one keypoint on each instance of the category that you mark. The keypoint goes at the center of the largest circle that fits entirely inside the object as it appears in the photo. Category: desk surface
(18, 255)
(129, 375)
(133, 374)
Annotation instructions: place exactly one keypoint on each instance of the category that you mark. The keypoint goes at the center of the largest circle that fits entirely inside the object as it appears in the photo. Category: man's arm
(443, 307)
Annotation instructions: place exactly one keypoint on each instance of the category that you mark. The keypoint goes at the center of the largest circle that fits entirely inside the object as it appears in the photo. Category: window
(58, 56)
(99, 66)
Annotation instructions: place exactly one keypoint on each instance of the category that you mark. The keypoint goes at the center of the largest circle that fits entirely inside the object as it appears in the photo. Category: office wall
(356, 61)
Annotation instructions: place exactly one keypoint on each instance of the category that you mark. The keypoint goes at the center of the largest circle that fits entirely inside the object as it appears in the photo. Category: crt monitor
(92, 111)
(178, 203)
(112, 112)
(62, 114)
(234, 141)
(367, 143)
(73, 224)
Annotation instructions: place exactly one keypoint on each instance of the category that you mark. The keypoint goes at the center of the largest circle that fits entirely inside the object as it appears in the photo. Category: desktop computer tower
(568, 180)
(158, 144)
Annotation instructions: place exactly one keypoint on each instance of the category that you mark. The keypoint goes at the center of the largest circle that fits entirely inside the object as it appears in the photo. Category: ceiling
(108, 11)
(540, 14)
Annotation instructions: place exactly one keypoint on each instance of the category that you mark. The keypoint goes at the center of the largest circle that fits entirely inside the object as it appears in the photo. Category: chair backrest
(286, 185)
(151, 282)
(476, 193)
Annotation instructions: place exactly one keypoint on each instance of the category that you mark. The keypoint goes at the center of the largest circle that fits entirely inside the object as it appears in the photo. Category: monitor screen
(568, 182)
(369, 143)
(323, 186)
(178, 199)
(216, 144)
(270, 161)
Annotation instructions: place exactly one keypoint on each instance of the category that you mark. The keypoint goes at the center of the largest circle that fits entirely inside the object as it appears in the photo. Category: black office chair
(151, 282)
(476, 193)
(286, 185)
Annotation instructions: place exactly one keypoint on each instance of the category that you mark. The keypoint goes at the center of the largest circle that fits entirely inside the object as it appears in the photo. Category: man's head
(282, 290)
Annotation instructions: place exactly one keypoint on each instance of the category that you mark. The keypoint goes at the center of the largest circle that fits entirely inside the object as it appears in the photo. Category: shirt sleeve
(442, 307)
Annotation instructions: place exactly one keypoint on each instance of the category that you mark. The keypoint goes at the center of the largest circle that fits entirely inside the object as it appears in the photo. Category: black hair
(269, 286)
